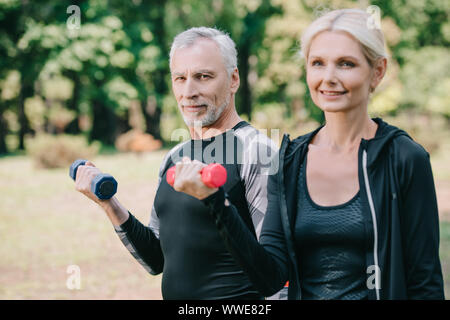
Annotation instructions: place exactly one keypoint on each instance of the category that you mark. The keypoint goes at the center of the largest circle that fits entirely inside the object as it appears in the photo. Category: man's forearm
(115, 211)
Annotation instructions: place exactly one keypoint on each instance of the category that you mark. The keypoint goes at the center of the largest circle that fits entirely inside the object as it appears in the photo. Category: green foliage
(85, 80)
(57, 88)
(10, 85)
(421, 21)
(387, 100)
(50, 151)
(48, 115)
(425, 75)
(120, 92)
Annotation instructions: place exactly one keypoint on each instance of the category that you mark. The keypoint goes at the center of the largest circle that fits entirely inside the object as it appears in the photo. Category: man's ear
(235, 80)
(379, 70)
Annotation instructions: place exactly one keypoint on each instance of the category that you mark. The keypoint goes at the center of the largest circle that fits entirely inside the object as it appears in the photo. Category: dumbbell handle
(214, 175)
(104, 186)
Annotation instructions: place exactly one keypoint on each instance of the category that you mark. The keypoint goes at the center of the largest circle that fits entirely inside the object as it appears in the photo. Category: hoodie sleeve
(266, 264)
(420, 226)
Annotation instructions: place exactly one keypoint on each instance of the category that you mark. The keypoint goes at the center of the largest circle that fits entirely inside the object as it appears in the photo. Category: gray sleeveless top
(330, 242)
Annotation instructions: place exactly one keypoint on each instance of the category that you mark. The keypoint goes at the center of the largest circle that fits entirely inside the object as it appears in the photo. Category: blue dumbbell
(104, 186)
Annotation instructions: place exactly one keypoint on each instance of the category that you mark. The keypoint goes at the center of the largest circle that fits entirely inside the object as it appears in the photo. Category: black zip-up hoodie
(399, 210)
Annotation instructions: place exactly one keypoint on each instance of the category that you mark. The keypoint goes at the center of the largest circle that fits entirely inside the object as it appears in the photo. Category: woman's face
(338, 75)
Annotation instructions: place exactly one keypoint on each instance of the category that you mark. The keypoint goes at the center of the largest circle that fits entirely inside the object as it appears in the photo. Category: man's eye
(179, 78)
(316, 63)
(205, 76)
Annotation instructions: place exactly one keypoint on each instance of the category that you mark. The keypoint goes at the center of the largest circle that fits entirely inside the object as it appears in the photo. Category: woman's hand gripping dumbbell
(91, 181)
(196, 178)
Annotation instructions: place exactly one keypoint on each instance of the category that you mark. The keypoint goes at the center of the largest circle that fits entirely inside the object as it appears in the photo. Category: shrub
(50, 151)
(137, 141)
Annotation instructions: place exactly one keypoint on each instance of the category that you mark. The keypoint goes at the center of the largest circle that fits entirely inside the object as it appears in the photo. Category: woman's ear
(379, 70)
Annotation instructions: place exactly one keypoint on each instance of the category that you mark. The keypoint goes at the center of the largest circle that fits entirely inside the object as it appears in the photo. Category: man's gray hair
(226, 45)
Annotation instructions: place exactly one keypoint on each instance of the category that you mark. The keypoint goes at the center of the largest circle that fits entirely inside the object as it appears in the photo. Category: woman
(352, 212)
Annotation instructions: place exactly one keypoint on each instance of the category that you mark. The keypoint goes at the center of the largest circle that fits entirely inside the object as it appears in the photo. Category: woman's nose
(330, 75)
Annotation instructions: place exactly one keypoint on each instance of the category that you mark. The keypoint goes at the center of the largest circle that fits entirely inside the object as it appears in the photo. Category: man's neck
(227, 120)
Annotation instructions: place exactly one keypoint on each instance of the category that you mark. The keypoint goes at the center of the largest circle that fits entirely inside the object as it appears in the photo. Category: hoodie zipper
(295, 283)
(374, 222)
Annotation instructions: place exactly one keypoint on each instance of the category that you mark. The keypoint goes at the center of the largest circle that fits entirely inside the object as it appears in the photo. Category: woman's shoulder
(405, 147)
(411, 158)
(409, 150)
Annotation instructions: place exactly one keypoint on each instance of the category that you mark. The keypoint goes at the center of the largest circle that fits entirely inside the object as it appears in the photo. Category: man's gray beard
(211, 116)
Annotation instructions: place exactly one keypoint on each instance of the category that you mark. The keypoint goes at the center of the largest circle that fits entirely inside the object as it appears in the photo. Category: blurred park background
(90, 79)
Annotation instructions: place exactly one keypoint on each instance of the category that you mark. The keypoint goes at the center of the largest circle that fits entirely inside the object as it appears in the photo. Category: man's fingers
(185, 160)
(85, 174)
(90, 164)
(195, 161)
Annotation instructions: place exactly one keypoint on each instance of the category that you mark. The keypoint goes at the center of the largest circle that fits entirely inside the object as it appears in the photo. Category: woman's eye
(347, 64)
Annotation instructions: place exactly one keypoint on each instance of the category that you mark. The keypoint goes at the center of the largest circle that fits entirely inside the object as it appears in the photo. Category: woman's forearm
(264, 267)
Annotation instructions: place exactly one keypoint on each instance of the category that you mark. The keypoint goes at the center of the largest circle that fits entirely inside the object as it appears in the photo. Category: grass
(444, 253)
(46, 226)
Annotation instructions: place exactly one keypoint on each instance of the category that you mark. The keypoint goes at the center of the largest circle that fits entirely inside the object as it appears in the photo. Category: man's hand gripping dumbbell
(196, 178)
(102, 185)
(193, 177)
(100, 188)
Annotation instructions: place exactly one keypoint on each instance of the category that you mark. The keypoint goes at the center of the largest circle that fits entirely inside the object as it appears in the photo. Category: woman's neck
(343, 131)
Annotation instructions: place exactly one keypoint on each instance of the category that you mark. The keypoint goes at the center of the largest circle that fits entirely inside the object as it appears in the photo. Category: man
(182, 240)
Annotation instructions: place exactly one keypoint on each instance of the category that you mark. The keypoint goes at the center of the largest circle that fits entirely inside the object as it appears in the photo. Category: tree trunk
(152, 108)
(245, 94)
(73, 127)
(152, 115)
(3, 132)
(104, 123)
(26, 91)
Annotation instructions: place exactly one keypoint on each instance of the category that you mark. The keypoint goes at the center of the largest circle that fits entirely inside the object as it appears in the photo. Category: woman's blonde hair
(353, 21)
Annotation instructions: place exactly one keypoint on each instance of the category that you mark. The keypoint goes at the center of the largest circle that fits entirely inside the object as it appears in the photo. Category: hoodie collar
(375, 147)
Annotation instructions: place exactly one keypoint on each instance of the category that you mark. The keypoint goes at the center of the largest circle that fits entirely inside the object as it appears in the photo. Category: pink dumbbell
(214, 175)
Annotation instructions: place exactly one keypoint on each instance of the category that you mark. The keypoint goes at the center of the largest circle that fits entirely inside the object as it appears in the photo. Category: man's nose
(190, 88)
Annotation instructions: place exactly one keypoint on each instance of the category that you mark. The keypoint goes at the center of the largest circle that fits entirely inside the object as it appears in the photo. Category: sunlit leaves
(426, 79)
(10, 86)
(120, 92)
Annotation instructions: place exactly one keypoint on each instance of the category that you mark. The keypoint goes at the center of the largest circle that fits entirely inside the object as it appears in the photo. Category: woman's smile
(332, 95)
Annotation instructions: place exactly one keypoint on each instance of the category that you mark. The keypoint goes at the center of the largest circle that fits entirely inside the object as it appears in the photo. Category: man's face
(200, 82)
